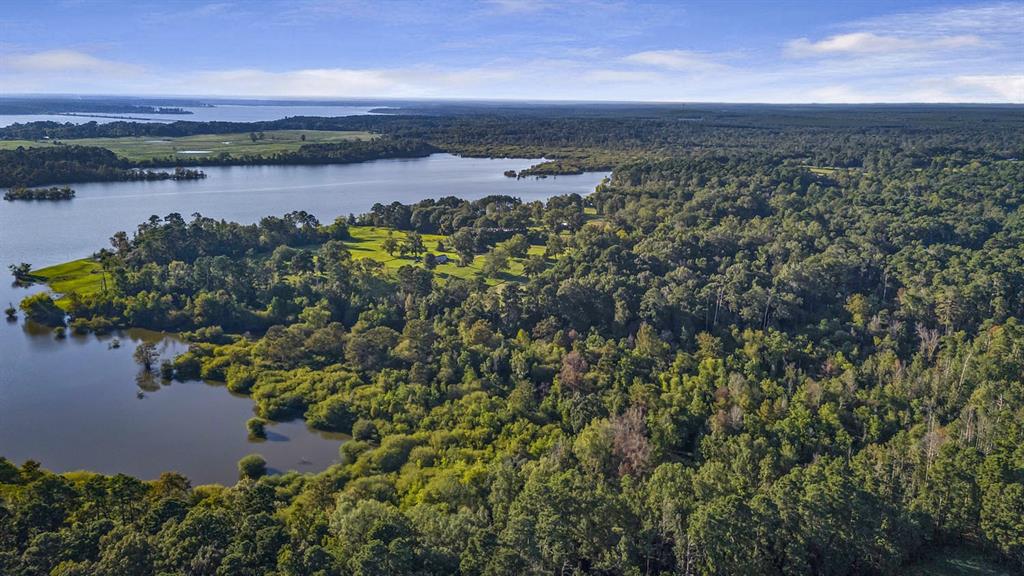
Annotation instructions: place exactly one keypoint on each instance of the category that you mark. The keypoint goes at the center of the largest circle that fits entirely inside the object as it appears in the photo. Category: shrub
(257, 428)
(42, 309)
(333, 414)
(252, 467)
(365, 430)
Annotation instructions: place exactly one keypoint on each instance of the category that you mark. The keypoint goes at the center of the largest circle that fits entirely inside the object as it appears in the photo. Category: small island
(51, 193)
(178, 174)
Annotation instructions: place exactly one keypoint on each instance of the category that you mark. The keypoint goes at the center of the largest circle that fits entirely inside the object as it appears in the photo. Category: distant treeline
(348, 152)
(99, 106)
(51, 193)
(595, 137)
(24, 167)
(72, 163)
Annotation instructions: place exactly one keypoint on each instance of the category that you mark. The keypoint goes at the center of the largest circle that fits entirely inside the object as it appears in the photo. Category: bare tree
(929, 338)
(629, 442)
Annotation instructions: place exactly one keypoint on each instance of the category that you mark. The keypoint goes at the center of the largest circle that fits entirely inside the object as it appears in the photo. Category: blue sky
(724, 51)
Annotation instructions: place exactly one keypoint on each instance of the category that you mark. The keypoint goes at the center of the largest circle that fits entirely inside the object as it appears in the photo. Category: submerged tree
(252, 467)
(146, 355)
(21, 272)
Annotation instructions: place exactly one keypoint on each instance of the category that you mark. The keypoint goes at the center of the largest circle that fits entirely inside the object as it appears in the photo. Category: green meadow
(368, 242)
(83, 277)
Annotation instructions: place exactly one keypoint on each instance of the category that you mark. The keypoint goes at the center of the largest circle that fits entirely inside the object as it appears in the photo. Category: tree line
(75, 163)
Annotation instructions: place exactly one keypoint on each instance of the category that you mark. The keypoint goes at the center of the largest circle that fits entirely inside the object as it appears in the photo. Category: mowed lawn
(84, 277)
(368, 242)
(204, 145)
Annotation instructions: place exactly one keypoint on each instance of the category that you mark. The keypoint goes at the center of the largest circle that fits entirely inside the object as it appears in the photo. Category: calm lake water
(219, 113)
(74, 404)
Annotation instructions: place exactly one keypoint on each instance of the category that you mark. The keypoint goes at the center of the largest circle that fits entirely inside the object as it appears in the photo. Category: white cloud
(345, 82)
(313, 82)
(54, 61)
(871, 43)
(1007, 87)
(518, 6)
(989, 20)
(938, 56)
(621, 76)
(678, 60)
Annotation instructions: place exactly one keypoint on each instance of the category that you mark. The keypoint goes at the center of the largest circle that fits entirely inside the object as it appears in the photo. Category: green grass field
(241, 144)
(83, 277)
(367, 242)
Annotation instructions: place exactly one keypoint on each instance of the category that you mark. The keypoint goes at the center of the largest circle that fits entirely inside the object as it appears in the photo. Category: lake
(74, 404)
(216, 113)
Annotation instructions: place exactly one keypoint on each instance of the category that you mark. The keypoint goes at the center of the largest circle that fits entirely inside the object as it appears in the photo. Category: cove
(74, 404)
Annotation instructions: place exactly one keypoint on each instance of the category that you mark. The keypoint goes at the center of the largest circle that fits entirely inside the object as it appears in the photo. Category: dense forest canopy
(777, 341)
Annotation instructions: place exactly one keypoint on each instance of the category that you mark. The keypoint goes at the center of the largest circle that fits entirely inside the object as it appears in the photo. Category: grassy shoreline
(83, 277)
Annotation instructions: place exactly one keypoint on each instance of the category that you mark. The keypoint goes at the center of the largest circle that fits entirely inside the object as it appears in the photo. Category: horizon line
(483, 100)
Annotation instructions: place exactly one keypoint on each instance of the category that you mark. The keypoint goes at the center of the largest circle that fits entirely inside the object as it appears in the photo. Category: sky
(777, 51)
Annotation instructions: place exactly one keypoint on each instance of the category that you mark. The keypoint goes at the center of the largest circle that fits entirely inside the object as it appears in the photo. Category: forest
(67, 163)
(776, 341)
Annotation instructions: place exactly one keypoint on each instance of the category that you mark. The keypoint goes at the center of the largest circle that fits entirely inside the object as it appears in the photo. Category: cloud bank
(960, 54)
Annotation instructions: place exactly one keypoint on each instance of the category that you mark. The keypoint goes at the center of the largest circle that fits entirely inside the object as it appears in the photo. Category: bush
(240, 378)
(252, 467)
(392, 454)
(167, 369)
(214, 368)
(350, 451)
(333, 414)
(42, 309)
(423, 456)
(365, 430)
(97, 324)
(186, 366)
(257, 428)
(79, 326)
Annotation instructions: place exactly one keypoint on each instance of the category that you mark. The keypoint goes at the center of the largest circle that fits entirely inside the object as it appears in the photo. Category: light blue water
(219, 113)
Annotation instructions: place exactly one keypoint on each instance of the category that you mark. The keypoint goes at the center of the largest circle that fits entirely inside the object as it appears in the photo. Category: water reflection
(79, 407)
